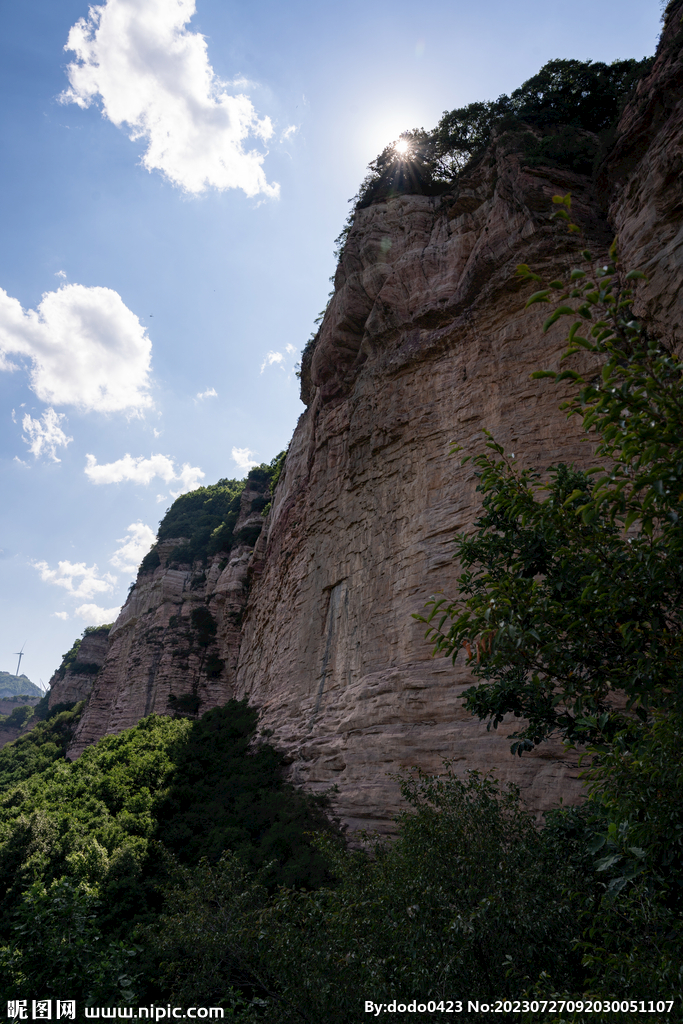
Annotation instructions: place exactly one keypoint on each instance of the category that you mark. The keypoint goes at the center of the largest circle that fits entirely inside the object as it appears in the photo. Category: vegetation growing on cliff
(69, 659)
(569, 610)
(208, 515)
(571, 107)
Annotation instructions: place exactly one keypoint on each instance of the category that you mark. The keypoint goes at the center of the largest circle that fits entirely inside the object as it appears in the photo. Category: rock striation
(74, 679)
(425, 342)
(174, 646)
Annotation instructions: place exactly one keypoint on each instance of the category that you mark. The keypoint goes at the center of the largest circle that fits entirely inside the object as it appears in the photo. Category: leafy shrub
(18, 717)
(470, 897)
(58, 948)
(206, 517)
(249, 534)
(150, 562)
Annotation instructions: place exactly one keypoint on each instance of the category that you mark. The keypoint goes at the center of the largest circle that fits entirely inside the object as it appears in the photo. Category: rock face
(424, 343)
(641, 182)
(174, 645)
(74, 681)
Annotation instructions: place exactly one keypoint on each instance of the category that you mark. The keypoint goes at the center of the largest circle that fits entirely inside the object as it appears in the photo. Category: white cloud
(209, 393)
(272, 357)
(61, 615)
(60, 273)
(96, 616)
(87, 348)
(157, 433)
(90, 580)
(46, 437)
(243, 458)
(134, 546)
(21, 462)
(292, 129)
(142, 471)
(291, 350)
(152, 74)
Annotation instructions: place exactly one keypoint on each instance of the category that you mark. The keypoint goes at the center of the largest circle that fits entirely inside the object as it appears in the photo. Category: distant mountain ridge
(12, 686)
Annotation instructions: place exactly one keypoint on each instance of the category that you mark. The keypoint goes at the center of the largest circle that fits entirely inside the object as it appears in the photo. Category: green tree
(570, 599)
(57, 949)
(468, 897)
(569, 611)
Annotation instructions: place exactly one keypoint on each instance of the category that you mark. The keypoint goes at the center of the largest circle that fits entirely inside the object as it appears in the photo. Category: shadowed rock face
(641, 183)
(425, 342)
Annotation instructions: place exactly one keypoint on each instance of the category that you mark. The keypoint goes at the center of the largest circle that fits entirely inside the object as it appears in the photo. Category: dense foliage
(95, 836)
(468, 898)
(562, 116)
(207, 516)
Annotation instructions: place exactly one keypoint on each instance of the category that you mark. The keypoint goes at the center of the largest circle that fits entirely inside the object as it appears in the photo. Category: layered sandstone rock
(641, 182)
(74, 681)
(424, 343)
(164, 654)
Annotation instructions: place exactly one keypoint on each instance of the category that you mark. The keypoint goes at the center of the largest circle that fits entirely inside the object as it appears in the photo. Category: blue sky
(171, 189)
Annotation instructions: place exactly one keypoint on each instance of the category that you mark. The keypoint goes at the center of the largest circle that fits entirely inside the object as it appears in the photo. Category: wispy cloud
(77, 578)
(142, 471)
(46, 437)
(244, 458)
(134, 546)
(61, 615)
(150, 73)
(209, 393)
(271, 358)
(280, 359)
(292, 129)
(86, 347)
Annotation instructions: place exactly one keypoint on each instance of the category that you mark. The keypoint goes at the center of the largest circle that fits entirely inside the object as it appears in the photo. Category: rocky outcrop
(74, 679)
(425, 343)
(641, 182)
(173, 648)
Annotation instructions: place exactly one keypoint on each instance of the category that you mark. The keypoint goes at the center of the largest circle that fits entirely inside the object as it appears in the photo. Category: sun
(401, 147)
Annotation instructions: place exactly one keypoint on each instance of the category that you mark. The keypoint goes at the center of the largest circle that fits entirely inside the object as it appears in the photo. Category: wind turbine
(21, 655)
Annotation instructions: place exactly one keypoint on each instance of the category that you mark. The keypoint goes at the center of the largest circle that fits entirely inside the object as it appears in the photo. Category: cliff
(74, 679)
(174, 646)
(425, 342)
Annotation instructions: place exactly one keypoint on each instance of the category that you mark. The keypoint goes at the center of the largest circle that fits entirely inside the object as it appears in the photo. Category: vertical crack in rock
(332, 614)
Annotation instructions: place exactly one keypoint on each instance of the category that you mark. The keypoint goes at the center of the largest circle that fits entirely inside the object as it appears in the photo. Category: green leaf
(541, 296)
(560, 311)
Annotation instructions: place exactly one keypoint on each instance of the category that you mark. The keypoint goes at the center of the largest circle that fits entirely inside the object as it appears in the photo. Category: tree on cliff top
(576, 96)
